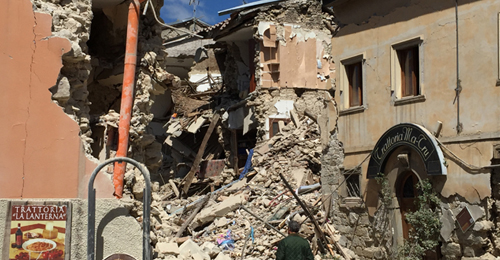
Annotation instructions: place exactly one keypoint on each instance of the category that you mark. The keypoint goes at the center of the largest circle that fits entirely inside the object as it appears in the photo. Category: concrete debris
(220, 209)
(190, 248)
(222, 256)
(220, 228)
(168, 248)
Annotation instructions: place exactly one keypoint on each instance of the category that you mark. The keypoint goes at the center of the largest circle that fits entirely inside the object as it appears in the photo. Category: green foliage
(425, 224)
(385, 190)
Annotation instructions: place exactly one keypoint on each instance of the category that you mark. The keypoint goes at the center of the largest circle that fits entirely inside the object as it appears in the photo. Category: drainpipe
(458, 89)
(127, 98)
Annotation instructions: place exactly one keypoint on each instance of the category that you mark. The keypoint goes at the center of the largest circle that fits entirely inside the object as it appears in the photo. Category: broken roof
(193, 19)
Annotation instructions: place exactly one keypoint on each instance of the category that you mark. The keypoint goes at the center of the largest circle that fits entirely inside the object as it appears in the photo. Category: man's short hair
(294, 226)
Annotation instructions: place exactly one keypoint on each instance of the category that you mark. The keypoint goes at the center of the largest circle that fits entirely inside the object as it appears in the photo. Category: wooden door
(406, 195)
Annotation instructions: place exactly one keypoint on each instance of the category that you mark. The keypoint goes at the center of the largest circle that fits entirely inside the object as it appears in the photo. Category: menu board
(38, 230)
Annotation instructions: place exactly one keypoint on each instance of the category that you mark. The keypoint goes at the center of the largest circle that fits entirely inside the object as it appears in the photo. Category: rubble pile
(227, 222)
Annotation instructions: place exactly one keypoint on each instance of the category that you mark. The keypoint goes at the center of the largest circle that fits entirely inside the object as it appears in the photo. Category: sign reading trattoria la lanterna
(38, 230)
(22, 212)
(410, 135)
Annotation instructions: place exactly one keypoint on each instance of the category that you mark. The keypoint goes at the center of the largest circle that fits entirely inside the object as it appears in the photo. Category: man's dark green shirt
(293, 247)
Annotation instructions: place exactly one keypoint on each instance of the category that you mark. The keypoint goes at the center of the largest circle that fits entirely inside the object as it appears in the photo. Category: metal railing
(146, 249)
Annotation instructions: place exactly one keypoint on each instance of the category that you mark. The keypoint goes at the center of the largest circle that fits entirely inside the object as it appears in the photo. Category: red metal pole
(127, 99)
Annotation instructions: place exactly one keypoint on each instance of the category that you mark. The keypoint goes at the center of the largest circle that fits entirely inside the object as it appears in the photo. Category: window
(406, 71)
(355, 79)
(352, 185)
(408, 62)
(351, 188)
(352, 82)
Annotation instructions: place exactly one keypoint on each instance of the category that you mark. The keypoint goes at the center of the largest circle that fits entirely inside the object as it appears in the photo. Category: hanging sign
(465, 219)
(414, 136)
(38, 230)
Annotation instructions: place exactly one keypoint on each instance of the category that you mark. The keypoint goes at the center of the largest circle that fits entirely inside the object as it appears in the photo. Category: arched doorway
(407, 193)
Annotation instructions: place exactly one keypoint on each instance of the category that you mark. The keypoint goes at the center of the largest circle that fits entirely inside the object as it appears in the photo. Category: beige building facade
(404, 96)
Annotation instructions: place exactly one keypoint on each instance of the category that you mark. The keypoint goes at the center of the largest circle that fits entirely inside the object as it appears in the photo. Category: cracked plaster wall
(41, 154)
(63, 160)
(371, 29)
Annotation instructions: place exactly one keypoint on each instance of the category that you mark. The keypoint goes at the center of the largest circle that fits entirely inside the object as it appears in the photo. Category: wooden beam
(189, 177)
(234, 151)
(192, 216)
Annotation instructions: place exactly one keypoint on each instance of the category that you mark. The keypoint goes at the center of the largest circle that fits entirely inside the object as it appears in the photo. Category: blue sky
(206, 10)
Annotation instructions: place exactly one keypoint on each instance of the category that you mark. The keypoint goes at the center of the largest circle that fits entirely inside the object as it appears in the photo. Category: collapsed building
(274, 109)
(70, 98)
(224, 116)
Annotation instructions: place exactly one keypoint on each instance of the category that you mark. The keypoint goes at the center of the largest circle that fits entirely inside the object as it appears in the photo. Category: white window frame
(396, 89)
(344, 84)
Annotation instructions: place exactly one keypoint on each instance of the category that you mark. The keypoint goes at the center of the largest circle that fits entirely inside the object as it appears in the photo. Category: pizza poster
(38, 231)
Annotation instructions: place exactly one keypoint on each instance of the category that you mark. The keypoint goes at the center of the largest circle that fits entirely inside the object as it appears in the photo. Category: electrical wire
(470, 168)
(150, 3)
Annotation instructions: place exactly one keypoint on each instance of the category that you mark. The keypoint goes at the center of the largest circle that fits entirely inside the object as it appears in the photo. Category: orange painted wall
(41, 154)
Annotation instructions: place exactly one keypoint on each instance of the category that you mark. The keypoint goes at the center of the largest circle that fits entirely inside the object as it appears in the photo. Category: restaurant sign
(38, 230)
(411, 135)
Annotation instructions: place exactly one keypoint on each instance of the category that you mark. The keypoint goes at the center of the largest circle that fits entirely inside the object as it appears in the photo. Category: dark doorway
(406, 196)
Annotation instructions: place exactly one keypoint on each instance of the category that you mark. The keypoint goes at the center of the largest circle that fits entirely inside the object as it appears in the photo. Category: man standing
(294, 247)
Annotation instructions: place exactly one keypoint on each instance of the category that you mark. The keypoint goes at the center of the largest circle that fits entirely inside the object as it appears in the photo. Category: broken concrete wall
(236, 76)
(72, 21)
(41, 149)
(283, 103)
(294, 56)
(294, 46)
(88, 87)
(190, 57)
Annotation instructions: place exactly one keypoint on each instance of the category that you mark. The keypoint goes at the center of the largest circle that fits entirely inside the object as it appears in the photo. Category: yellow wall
(371, 30)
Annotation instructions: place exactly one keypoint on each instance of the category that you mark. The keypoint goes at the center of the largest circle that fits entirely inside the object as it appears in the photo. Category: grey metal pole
(146, 250)
(259, 218)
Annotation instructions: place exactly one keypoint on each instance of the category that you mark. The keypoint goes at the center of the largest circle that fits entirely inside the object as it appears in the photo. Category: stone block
(361, 231)
(220, 209)
(168, 248)
(353, 218)
(357, 241)
(451, 250)
(343, 241)
(448, 225)
(222, 256)
(190, 248)
(211, 249)
(468, 252)
(370, 252)
(483, 226)
(63, 92)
